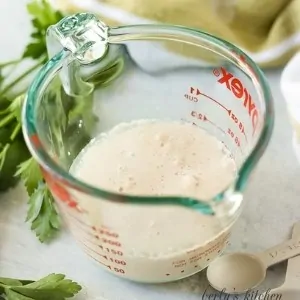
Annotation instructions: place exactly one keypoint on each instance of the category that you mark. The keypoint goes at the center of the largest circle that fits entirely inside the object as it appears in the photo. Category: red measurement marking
(105, 231)
(195, 91)
(239, 124)
(117, 270)
(101, 226)
(84, 231)
(35, 141)
(198, 116)
(117, 252)
(117, 261)
(99, 261)
(234, 137)
(77, 220)
(212, 123)
(91, 234)
(108, 233)
(113, 251)
(104, 240)
(237, 88)
(60, 191)
(100, 231)
(93, 228)
(111, 242)
(217, 102)
(90, 249)
(203, 117)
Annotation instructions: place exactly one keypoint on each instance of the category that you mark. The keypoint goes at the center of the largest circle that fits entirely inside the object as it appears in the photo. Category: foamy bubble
(190, 180)
(151, 223)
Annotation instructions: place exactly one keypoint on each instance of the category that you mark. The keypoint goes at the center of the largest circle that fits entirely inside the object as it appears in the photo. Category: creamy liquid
(155, 158)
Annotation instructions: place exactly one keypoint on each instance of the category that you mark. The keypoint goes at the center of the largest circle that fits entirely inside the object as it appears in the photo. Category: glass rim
(48, 164)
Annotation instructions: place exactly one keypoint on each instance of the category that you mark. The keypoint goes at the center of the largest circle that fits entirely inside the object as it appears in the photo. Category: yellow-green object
(268, 30)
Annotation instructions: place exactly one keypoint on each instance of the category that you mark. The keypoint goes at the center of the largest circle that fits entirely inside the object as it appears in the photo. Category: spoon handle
(292, 277)
(281, 252)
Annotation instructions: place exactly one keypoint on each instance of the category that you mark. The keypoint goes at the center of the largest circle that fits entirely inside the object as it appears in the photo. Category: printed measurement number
(109, 239)
(105, 232)
(236, 121)
(198, 116)
(202, 117)
(192, 97)
(113, 251)
(111, 242)
(119, 270)
(119, 262)
(234, 137)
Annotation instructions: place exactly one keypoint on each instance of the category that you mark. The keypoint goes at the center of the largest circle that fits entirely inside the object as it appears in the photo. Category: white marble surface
(272, 206)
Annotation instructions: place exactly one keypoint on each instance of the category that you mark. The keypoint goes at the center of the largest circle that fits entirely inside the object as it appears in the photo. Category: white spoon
(239, 272)
(290, 289)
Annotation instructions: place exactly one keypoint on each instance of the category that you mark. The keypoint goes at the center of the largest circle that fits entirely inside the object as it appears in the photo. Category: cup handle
(83, 39)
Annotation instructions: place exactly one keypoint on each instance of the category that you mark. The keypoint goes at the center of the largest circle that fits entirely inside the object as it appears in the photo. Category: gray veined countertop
(272, 206)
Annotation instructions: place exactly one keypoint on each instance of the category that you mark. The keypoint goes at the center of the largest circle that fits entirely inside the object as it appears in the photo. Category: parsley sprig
(15, 159)
(53, 286)
(41, 211)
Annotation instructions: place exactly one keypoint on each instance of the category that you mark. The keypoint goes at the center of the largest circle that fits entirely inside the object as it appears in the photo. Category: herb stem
(4, 112)
(2, 158)
(11, 62)
(20, 78)
(6, 120)
(16, 131)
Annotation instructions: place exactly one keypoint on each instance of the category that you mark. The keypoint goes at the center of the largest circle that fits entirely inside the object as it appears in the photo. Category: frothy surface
(156, 158)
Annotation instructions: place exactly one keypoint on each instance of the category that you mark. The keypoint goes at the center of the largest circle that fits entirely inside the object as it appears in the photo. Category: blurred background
(268, 30)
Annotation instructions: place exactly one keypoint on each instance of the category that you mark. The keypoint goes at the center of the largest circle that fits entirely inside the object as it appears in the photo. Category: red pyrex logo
(234, 85)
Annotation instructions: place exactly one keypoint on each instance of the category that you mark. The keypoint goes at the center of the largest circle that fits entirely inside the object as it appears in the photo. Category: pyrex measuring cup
(99, 77)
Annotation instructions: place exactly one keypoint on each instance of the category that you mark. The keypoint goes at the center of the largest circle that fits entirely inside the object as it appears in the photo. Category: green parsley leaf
(43, 13)
(42, 214)
(53, 286)
(43, 16)
(35, 203)
(14, 153)
(12, 295)
(10, 281)
(1, 77)
(41, 211)
(16, 107)
(31, 174)
(3, 153)
(34, 50)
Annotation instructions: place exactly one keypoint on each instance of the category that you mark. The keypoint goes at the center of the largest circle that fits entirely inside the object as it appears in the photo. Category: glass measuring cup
(99, 77)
